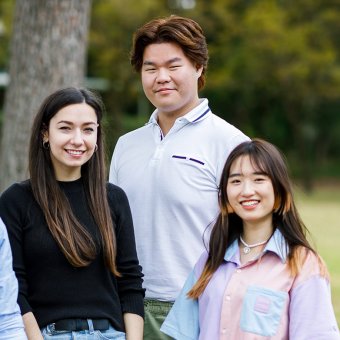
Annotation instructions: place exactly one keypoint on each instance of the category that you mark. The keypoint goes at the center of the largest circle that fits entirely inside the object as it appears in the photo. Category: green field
(321, 213)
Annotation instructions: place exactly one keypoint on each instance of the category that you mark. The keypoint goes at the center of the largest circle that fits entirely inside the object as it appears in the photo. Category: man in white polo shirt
(170, 168)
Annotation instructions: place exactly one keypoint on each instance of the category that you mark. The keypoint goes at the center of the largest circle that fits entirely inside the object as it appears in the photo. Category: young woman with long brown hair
(260, 278)
(71, 232)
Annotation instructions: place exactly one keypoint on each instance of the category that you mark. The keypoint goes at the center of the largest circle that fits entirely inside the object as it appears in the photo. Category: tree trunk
(48, 51)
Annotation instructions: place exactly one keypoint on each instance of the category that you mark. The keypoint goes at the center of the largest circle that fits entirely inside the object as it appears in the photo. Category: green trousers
(155, 314)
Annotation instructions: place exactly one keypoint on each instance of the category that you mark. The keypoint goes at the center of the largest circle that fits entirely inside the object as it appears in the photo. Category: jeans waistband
(71, 325)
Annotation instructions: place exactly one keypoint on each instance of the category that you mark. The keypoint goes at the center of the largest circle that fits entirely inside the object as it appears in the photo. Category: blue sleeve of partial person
(11, 324)
(182, 322)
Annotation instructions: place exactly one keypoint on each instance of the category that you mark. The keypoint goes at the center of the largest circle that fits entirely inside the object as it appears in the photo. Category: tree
(48, 51)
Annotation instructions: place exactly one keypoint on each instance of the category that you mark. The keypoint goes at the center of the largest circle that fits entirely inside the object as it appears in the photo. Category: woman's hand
(134, 326)
(31, 327)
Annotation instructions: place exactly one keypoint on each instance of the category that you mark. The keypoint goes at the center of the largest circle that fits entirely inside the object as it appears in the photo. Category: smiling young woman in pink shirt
(260, 278)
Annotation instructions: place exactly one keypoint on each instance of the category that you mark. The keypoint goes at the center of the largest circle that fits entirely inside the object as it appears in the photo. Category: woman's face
(72, 136)
(250, 193)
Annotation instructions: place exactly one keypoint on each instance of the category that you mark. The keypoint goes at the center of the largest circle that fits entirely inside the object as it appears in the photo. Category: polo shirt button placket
(158, 152)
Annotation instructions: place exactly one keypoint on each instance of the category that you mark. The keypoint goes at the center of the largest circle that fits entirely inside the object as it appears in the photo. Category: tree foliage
(6, 14)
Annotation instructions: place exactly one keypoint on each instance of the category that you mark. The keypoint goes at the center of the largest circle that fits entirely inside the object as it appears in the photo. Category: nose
(247, 188)
(77, 138)
(163, 75)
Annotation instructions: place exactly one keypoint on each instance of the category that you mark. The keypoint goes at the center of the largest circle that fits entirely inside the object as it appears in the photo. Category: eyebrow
(71, 123)
(170, 61)
(237, 174)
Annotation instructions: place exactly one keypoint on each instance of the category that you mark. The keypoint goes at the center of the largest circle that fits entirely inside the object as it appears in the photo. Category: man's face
(169, 79)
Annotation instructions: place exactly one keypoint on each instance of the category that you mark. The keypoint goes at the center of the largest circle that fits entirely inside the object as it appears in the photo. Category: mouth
(75, 152)
(165, 89)
(249, 203)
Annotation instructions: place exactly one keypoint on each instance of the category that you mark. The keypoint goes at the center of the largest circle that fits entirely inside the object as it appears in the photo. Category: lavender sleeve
(311, 312)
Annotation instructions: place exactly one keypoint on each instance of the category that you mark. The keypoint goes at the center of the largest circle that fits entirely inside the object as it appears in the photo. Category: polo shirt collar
(276, 245)
(196, 114)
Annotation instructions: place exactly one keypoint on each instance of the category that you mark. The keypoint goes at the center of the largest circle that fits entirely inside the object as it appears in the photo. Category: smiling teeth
(249, 203)
(74, 152)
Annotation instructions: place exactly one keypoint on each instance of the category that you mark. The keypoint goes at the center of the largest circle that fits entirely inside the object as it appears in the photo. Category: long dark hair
(228, 227)
(73, 239)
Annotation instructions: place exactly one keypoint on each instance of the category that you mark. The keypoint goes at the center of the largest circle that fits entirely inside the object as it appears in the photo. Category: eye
(174, 67)
(64, 128)
(234, 181)
(260, 179)
(89, 130)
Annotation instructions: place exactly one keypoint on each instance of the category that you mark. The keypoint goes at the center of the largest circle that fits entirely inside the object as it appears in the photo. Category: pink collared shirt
(256, 301)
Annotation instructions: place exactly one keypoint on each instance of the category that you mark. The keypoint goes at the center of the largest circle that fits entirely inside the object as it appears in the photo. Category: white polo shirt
(172, 184)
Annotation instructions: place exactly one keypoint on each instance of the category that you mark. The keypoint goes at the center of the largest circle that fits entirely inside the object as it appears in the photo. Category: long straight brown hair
(228, 227)
(73, 239)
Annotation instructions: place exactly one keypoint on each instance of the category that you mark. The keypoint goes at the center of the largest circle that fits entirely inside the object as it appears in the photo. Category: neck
(68, 176)
(252, 234)
(166, 119)
(166, 123)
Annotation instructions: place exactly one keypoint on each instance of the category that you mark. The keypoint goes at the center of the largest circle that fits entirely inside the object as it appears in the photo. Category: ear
(199, 70)
(44, 135)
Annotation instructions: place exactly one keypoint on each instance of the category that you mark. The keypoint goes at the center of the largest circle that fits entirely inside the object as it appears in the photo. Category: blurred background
(274, 72)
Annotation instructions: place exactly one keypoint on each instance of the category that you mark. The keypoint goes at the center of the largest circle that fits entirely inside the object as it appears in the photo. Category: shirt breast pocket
(188, 160)
(262, 310)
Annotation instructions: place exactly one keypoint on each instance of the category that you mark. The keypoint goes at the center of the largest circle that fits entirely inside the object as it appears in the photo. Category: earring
(46, 145)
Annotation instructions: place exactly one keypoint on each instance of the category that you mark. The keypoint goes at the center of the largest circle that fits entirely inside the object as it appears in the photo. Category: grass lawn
(320, 212)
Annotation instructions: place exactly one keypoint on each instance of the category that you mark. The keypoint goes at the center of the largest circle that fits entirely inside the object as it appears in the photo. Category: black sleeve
(14, 203)
(130, 288)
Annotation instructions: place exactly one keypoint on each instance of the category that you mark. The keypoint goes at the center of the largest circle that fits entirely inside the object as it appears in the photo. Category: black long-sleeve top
(49, 286)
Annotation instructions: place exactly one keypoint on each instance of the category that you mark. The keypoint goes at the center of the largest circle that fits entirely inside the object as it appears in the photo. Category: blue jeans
(110, 334)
